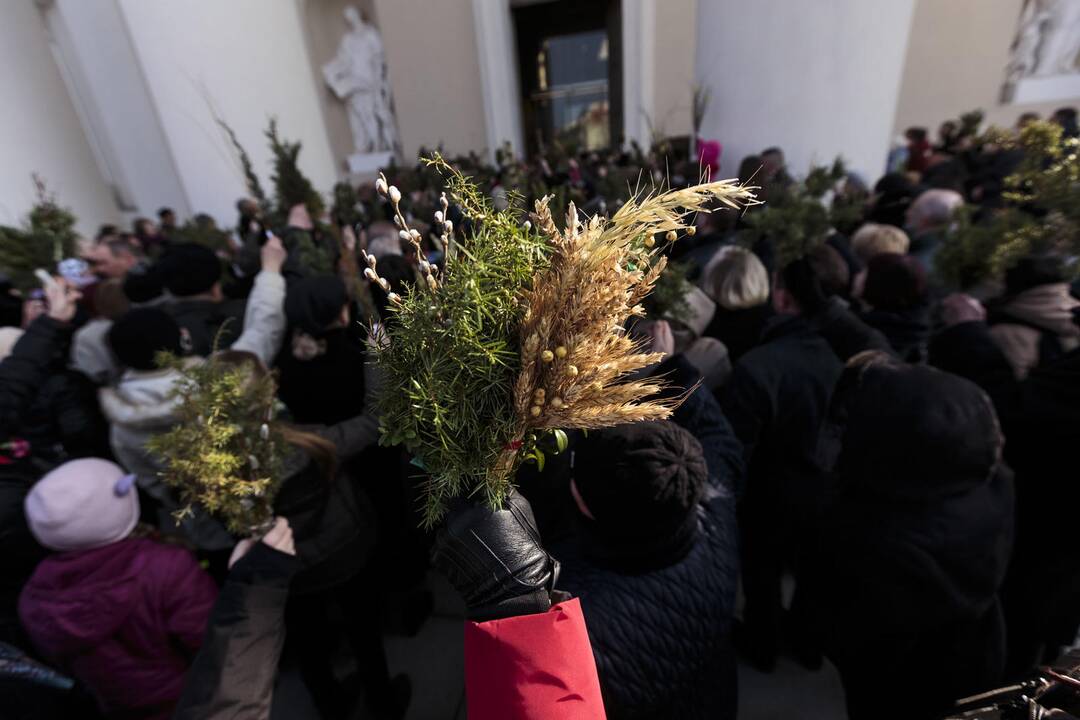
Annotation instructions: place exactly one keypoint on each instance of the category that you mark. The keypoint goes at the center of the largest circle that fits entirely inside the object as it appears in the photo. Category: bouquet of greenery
(225, 452)
(521, 335)
(796, 217)
(47, 238)
(1043, 215)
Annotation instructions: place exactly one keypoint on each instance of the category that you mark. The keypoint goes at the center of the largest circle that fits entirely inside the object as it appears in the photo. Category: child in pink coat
(123, 615)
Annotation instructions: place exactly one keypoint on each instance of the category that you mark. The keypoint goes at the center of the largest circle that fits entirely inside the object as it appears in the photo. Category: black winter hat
(140, 334)
(642, 483)
(189, 269)
(143, 283)
(312, 304)
(1034, 270)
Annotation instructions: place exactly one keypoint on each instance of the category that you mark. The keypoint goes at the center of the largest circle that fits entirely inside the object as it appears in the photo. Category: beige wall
(434, 72)
(676, 23)
(956, 61)
(40, 130)
(325, 28)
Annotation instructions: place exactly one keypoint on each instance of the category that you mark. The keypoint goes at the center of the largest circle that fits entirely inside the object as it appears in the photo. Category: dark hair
(162, 212)
(140, 334)
(894, 282)
(105, 231)
(915, 134)
(832, 272)
(189, 269)
(801, 282)
(749, 165)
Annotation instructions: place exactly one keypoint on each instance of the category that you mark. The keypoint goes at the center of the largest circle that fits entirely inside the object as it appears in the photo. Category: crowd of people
(892, 448)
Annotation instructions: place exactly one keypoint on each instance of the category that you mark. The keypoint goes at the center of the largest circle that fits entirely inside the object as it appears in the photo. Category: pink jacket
(125, 619)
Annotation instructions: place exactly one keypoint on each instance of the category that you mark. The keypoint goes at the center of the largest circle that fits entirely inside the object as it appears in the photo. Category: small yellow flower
(557, 403)
(540, 392)
(671, 236)
(691, 231)
(650, 241)
(547, 356)
(534, 410)
(560, 352)
(571, 370)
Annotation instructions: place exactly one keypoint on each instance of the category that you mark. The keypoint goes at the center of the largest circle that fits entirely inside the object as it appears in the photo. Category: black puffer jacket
(53, 413)
(903, 584)
(661, 638)
(1041, 419)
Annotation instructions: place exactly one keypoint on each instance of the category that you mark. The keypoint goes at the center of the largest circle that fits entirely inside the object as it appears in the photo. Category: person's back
(913, 549)
(895, 290)
(192, 275)
(121, 619)
(321, 370)
(1035, 323)
(124, 615)
(659, 608)
(776, 401)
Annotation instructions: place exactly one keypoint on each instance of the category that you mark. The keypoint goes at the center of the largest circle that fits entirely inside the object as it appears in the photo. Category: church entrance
(570, 65)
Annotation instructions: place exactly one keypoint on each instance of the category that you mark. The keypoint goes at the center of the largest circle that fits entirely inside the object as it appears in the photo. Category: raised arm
(264, 318)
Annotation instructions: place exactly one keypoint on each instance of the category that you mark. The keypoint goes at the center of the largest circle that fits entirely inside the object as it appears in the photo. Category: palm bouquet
(522, 334)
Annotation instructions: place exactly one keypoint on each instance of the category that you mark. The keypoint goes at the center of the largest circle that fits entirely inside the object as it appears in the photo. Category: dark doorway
(570, 64)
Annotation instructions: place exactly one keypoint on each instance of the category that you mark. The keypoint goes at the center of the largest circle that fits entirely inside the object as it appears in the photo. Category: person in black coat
(47, 415)
(655, 558)
(902, 583)
(895, 290)
(776, 401)
(192, 275)
(321, 369)
(817, 283)
(1041, 420)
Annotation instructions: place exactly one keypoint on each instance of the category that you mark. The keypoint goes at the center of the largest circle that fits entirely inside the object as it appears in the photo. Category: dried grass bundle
(524, 333)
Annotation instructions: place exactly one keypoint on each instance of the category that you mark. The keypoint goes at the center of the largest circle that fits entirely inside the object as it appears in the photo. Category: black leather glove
(495, 560)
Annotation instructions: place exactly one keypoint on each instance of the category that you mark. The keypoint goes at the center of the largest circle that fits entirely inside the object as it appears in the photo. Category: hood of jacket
(76, 600)
(1048, 306)
(142, 399)
(915, 434)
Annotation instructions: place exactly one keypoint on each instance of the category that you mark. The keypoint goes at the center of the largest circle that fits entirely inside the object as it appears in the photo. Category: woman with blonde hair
(874, 238)
(737, 280)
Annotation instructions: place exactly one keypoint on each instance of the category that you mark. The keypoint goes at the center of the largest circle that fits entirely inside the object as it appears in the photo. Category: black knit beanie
(143, 283)
(642, 483)
(140, 334)
(189, 269)
(312, 304)
(1033, 270)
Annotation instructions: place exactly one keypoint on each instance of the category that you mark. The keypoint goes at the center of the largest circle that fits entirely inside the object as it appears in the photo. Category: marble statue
(1047, 41)
(357, 75)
